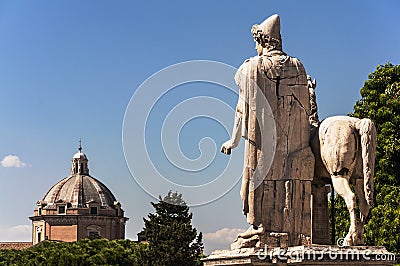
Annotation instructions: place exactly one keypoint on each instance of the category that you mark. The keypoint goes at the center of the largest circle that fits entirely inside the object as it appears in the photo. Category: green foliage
(381, 103)
(83, 252)
(170, 233)
(342, 222)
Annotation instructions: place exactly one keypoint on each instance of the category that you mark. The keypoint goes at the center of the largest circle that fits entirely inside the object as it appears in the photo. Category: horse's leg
(342, 187)
(364, 209)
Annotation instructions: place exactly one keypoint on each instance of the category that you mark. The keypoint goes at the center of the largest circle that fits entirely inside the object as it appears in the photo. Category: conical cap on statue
(272, 27)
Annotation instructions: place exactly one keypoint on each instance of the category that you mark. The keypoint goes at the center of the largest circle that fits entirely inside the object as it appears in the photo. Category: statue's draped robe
(282, 81)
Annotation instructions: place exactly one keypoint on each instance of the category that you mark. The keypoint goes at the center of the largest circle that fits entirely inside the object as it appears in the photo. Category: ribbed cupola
(79, 163)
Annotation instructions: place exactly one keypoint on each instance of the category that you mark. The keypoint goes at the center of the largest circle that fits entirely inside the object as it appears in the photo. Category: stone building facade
(77, 207)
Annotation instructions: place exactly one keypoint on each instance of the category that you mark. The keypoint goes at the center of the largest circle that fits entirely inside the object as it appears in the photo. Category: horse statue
(344, 149)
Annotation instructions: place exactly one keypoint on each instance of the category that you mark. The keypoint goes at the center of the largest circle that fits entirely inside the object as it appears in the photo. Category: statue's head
(268, 34)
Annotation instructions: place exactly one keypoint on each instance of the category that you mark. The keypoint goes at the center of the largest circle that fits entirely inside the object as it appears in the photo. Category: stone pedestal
(303, 255)
(320, 215)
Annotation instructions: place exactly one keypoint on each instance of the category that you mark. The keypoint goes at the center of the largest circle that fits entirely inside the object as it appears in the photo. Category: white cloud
(221, 239)
(16, 233)
(13, 161)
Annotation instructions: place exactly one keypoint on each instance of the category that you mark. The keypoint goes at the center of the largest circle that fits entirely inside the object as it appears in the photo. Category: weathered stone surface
(277, 199)
(320, 217)
(290, 155)
(345, 152)
(303, 255)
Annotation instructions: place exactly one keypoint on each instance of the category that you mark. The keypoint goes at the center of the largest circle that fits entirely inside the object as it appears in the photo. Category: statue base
(303, 255)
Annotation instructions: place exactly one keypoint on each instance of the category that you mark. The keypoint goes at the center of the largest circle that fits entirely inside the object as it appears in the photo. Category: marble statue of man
(279, 203)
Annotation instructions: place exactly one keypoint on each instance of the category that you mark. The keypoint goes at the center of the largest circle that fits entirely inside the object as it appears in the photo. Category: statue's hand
(227, 147)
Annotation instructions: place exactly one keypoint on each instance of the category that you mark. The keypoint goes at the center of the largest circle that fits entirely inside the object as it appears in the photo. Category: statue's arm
(237, 127)
(236, 132)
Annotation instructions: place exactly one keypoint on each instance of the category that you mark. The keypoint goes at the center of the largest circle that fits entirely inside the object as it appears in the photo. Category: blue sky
(68, 70)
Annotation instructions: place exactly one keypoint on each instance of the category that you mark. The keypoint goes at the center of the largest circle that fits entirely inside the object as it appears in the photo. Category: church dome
(77, 207)
(79, 190)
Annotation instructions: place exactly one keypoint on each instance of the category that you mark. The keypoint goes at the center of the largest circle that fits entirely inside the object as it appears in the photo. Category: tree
(380, 101)
(198, 245)
(170, 233)
(198, 248)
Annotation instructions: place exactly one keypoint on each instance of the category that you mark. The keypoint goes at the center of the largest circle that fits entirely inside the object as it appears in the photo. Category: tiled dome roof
(78, 190)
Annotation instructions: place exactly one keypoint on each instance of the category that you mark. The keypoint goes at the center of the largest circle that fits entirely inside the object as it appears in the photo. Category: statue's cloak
(272, 88)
